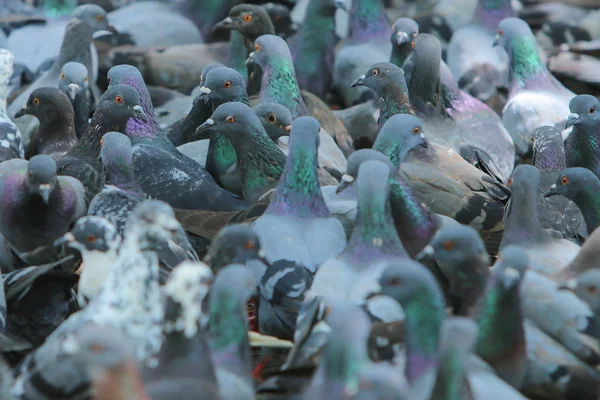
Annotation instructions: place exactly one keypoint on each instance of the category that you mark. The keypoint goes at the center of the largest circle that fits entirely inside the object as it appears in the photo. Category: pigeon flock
(300, 199)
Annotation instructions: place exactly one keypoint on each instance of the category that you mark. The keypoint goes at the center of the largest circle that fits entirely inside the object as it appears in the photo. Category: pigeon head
(7, 62)
(206, 70)
(232, 119)
(381, 75)
(234, 244)
(399, 135)
(586, 286)
(405, 32)
(573, 183)
(405, 281)
(267, 49)
(41, 176)
(355, 160)
(155, 220)
(188, 284)
(510, 30)
(121, 102)
(455, 245)
(90, 234)
(584, 112)
(511, 266)
(275, 118)
(281, 17)
(129, 75)
(47, 103)
(73, 79)
(95, 17)
(223, 85)
(248, 19)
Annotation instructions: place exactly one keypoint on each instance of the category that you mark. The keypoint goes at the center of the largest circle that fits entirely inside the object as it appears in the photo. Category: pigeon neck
(489, 13)
(395, 148)
(343, 363)
(394, 100)
(81, 108)
(227, 324)
(221, 154)
(452, 381)
(238, 54)
(582, 149)
(424, 316)
(120, 173)
(59, 124)
(298, 192)
(550, 156)
(89, 143)
(374, 231)
(368, 20)
(279, 85)
(501, 335)
(400, 52)
(76, 46)
(525, 62)
(137, 128)
(589, 203)
(522, 223)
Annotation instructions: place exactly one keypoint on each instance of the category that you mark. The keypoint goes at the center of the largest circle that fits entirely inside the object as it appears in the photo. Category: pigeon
(98, 241)
(297, 225)
(581, 147)
(11, 142)
(279, 83)
(440, 178)
(74, 83)
(414, 223)
(405, 30)
(557, 213)
(353, 274)
(237, 123)
(458, 253)
(162, 171)
(547, 253)
(227, 331)
(38, 208)
(475, 63)
(368, 42)
(116, 106)
(581, 186)
(275, 118)
(130, 302)
(535, 97)
(56, 133)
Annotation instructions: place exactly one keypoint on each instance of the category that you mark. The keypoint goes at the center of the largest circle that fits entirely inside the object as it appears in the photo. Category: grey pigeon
(56, 133)
(353, 274)
(297, 226)
(368, 42)
(405, 30)
(38, 208)
(130, 302)
(74, 82)
(163, 172)
(581, 147)
(460, 255)
(98, 241)
(227, 331)
(586, 287)
(547, 252)
(116, 106)
(11, 143)
(275, 118)
(535, 97)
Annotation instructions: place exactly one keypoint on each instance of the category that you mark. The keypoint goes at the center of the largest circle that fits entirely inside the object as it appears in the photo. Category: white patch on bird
(10, 136)
(188, 285)
(179, 175)
(382, 341)
(272, 281)
(553, 186)
(70, 345)
(377, 242)
(347, 178)
(511, 272)
(451, 152)
(98, 265)
(5, 143)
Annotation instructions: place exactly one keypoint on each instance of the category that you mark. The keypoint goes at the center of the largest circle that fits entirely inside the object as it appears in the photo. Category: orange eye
(394, 282)
(500, 32)
(118, 99)
(412, 45)
(591, 289)
(91, 239)
(249, 245)
(448, 245)
(271, 117)
(509, 183)
(227, 84)
(101, 142)
(100, 18)
(375, 72)
(564, 180)
(247, 18)
(96, 348)
(416, 130)
(62, 76)
(257, 47)
(36, 101)
(85, 80)
(230, 120)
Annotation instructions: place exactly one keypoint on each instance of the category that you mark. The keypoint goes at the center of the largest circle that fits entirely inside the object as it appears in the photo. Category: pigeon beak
(570, 285)
(139, 113)
(206, 125)
(101, 34)
(288, 129)
(552, 191)
(66, 239)
(72, 91)
(227, 23)
(426, 254)
(250, 58)
(496, 41)
(510, 276)
(21, 112)
(572, 120)
(205, 94)
(402, 38)
(44, 191)
(359, 81)
(341, 4)
(345, 183)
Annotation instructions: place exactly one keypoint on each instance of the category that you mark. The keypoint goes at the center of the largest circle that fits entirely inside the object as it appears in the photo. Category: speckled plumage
(11, 143)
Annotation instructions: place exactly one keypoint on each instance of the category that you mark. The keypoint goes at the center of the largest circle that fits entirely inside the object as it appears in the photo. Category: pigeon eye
(101, 142)
(100, 18)
(91, 239)
(509, 182)
(97, 348)
(590, 289)
(257, 47)
(271, 117)
(36, 101)
(227, 84)
(593, 110)
(62, 76)
(118, 99)
(532, 139)
(448, 245)
(247, 18)
(394, 282)
(250, 307)
(500, 32)
(249, 245)
(564, 180)
(230, 120)
(86, 78)
(375, 72)
(416, 130)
